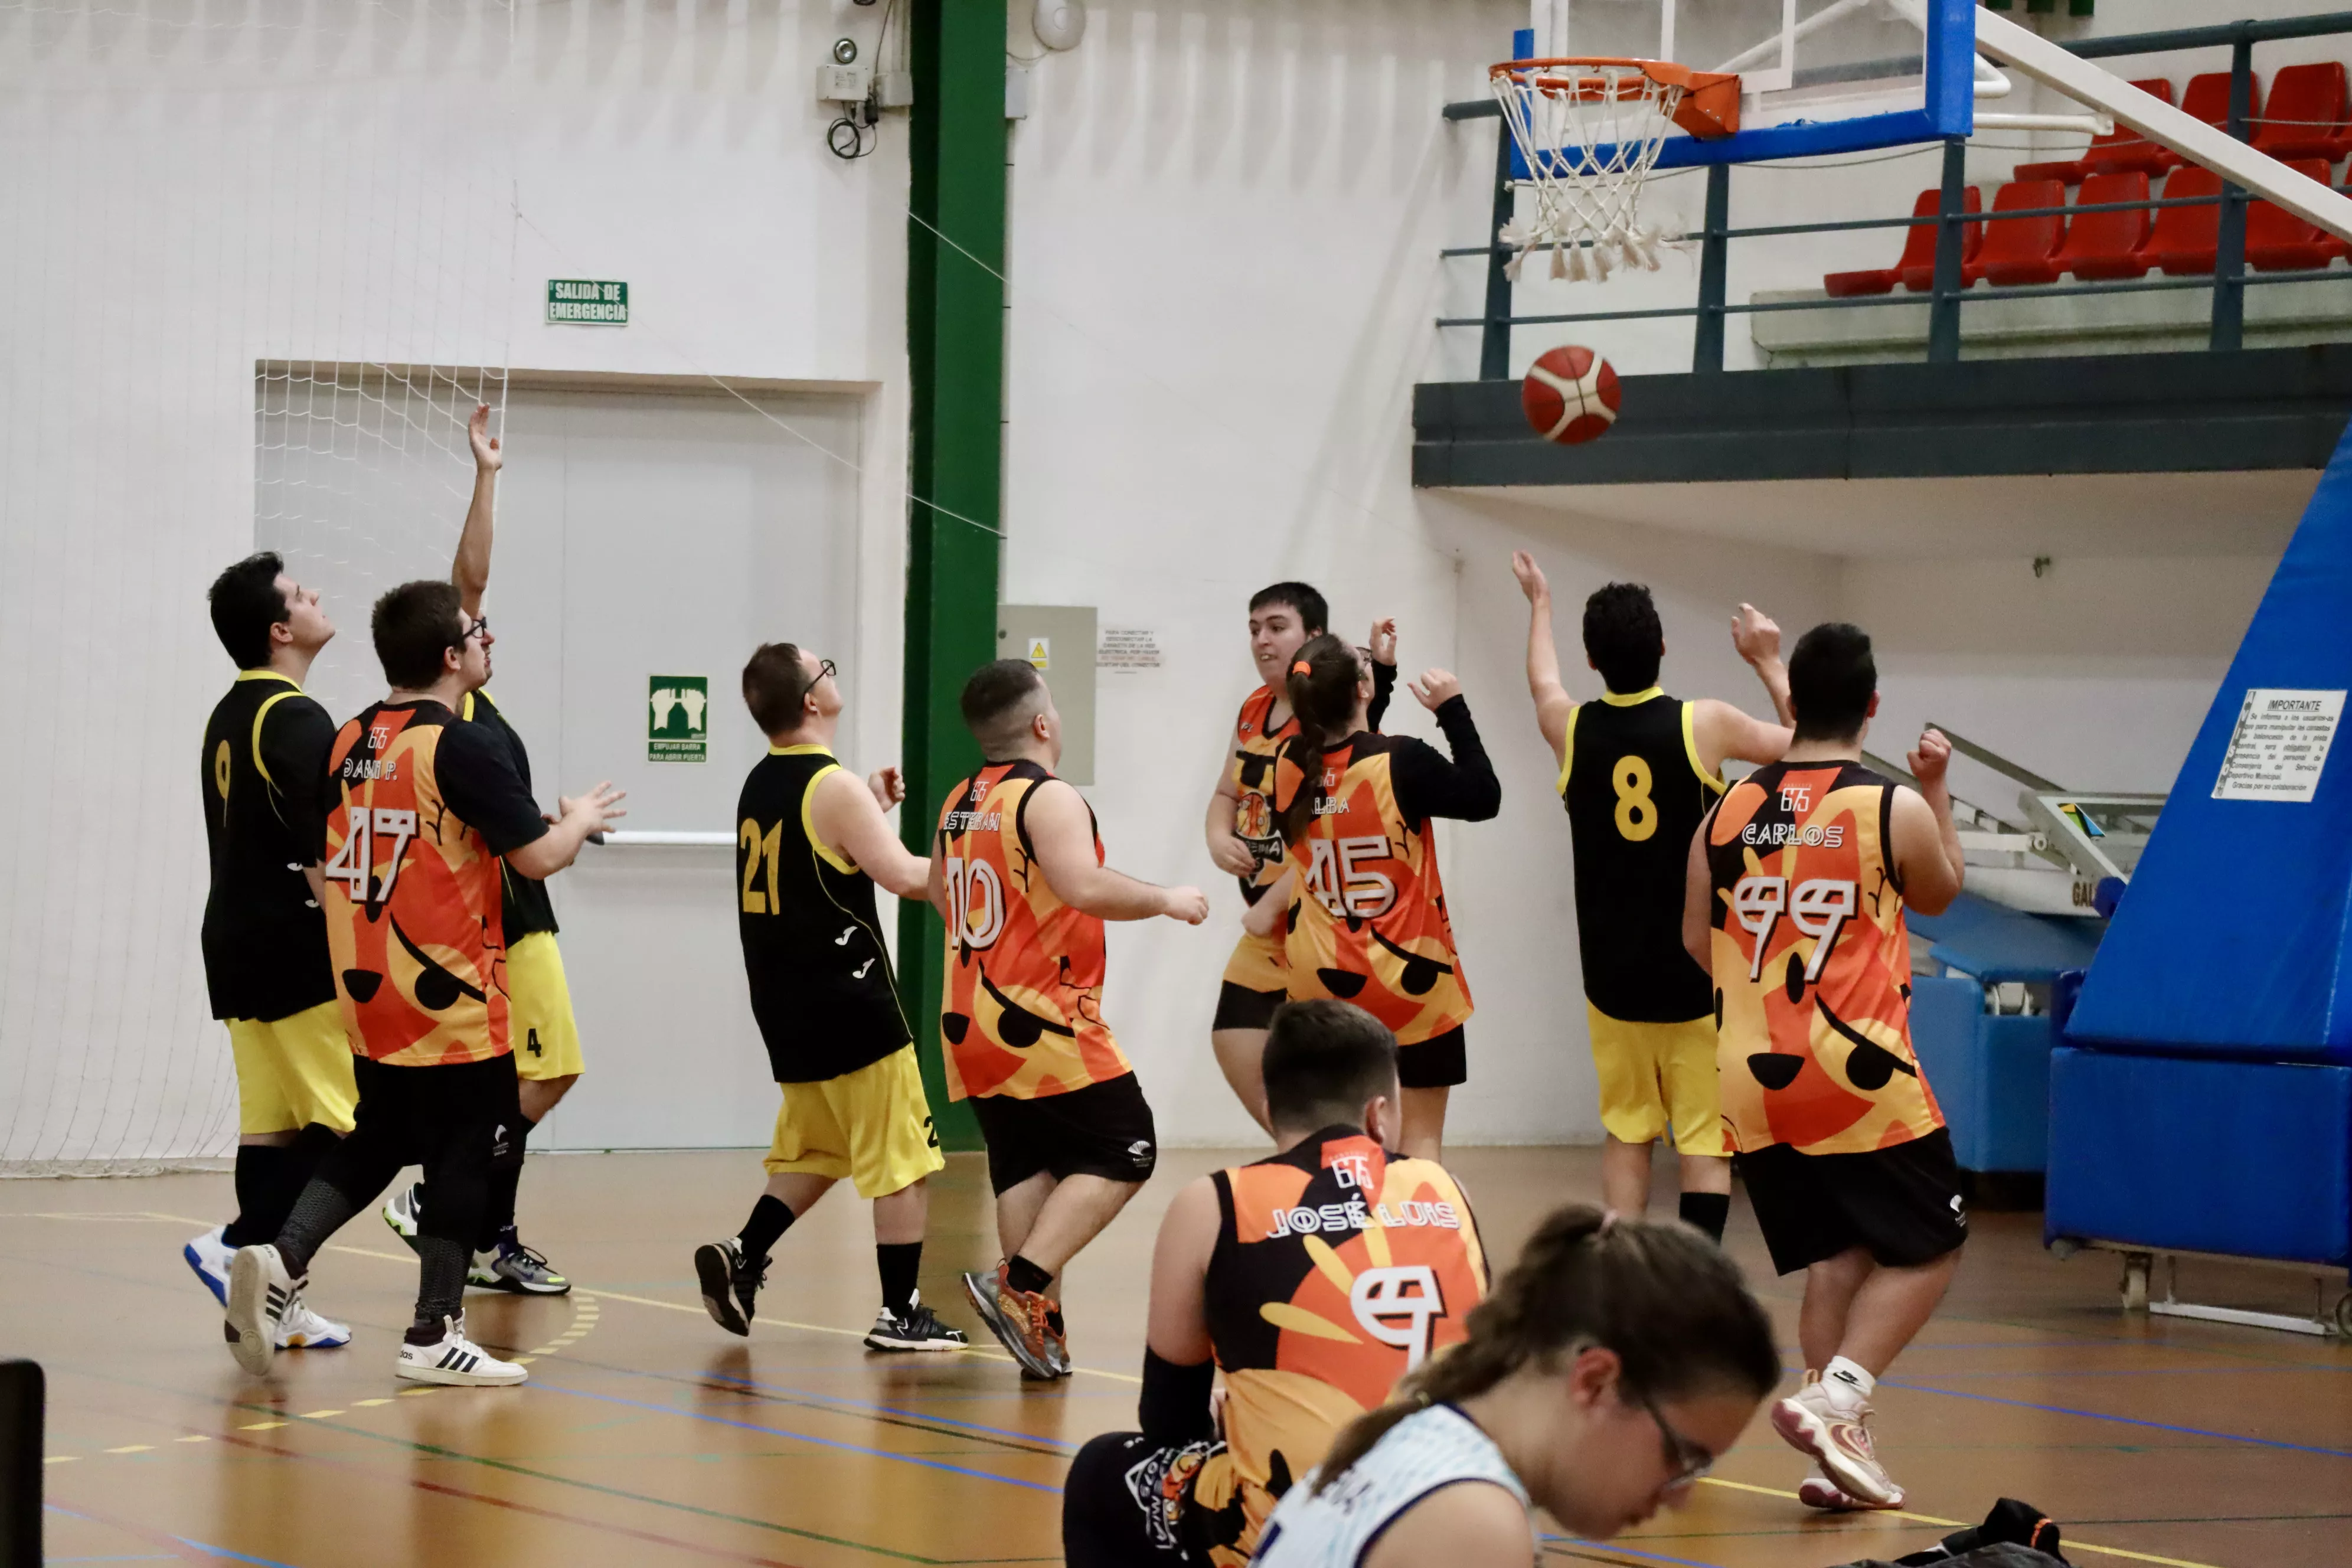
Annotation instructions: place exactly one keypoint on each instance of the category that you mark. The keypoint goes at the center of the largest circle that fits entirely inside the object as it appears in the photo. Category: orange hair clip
(1300, 667)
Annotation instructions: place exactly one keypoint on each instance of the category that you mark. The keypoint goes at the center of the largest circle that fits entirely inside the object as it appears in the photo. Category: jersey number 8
(354, 863)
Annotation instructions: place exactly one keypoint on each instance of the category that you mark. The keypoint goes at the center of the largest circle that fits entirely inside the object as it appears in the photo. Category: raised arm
(848, 816)
(1061, 834)
(1427, 785)
(1927, 841)
(1553, 704)
(471, 571)
(1383, 649)
(1757, 636)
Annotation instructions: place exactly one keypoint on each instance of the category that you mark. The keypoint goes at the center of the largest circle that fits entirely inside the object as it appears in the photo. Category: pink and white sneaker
(1817, 1491)
(1812, 1423)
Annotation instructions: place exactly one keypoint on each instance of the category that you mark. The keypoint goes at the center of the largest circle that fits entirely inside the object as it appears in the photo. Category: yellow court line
(2071, 1544)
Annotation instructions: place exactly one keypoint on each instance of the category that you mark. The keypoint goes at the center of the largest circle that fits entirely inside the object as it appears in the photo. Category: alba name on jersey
(1023, 1010)
(1813, 963)
(820, 983)
(422, 808)
(1636, 794)
(265, 939)
(1338, 1268)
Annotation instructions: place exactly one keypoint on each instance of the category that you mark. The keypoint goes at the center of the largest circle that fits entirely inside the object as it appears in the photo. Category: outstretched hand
(1530, 576)
(487, 457)
(1187, 904)
(1383, 644)
(889, 787)
(1934, 755)
(1434, 688)
(1756, 635)
(597, 807)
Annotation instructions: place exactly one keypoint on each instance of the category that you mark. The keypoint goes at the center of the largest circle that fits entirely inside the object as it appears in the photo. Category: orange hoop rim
(1707, 105)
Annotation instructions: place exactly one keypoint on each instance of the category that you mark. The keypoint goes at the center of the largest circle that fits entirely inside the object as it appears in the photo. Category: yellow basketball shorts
(1257, 965)
(1656, 1077)
(540, 1025)
(293, 1071)
(873, 1126)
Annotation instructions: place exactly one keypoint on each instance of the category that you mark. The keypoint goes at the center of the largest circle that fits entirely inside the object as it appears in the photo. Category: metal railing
(1948, 290)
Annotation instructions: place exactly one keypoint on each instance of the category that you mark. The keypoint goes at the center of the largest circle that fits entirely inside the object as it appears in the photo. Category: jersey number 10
(354, 863)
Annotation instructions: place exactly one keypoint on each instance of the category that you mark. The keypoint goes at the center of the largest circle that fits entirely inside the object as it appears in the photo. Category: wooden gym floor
(646, 1435)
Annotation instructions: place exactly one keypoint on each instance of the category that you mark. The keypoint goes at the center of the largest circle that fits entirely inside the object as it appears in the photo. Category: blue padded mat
(2230, 940)
(1993, 943)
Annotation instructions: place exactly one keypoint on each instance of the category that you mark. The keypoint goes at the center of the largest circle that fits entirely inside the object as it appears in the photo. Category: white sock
(1847, 1383)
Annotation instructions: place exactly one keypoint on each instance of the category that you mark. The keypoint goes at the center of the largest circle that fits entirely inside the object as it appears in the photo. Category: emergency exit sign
(581, 301)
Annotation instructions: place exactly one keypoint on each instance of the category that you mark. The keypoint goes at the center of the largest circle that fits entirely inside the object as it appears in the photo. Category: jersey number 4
(354, 864)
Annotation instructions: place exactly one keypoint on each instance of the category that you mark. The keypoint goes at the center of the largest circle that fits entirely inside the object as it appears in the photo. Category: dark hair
(775, 682)
(1662, 1295)
(1313, 612)
(1622, 637)
(1831, 679)
(1323, 1061)
(414, 625)
(246, 604)
(998, 702)
(1323, 698)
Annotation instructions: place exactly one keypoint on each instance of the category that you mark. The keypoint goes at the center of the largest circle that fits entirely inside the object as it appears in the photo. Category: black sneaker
(918, 1330)
(512, 1267)
(728, 1278)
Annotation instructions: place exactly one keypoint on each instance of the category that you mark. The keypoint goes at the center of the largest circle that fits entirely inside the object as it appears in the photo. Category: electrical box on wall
(843, 83)
(1059, 639)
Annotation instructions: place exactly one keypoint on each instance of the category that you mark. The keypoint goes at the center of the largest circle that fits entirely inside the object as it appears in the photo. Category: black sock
(1024, 1275)
(769, 1219)
(505, 1175)
(899, 1261)
(259, 1170)
(1707, 1212)
(441, 1266)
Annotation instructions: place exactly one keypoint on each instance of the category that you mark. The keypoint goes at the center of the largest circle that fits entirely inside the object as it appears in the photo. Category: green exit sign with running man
(585, 302)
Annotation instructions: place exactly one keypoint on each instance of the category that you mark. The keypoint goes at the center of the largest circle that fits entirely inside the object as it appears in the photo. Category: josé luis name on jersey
(1812, 962)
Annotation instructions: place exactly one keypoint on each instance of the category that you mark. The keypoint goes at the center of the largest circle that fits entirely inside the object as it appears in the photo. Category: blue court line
(220, 1552)
(1575, 1540)
(2128, 1421)
(886, 1409)
(801, 1437)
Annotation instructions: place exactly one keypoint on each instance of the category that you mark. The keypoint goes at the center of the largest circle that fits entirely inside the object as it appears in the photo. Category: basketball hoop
(1588, 130)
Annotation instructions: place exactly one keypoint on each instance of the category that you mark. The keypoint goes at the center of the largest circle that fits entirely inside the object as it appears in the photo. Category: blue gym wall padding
(2230, 940)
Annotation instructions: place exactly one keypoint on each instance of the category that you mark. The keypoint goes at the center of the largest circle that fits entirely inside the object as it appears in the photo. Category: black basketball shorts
(1440, 1061)
(1103, 1130)
(1239, 1008)
(1902, 1203)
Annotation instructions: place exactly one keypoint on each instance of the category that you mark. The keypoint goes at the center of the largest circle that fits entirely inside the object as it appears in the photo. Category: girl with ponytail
(1361, 885)
(1610, 1368)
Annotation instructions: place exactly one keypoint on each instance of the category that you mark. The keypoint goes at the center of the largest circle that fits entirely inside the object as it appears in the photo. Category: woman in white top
(1608, 1371)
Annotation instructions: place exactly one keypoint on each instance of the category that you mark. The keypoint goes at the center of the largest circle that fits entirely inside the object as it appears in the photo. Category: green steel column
(955, 349)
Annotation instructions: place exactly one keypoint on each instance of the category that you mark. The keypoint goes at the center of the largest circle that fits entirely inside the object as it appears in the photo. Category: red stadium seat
(2121, 150)
(2107, 245)
(2308, 115)
(1918, 258)
(2277, 240)
(2208, 99)
(2186, 238)
(2022, 249)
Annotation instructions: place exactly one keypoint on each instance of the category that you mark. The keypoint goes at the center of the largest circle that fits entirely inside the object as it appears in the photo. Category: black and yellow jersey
(1636, 792)
(528, 906)
(265, 774)
(821, 988)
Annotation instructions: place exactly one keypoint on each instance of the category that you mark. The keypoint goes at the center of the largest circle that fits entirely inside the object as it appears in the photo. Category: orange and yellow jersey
(1813, 963)
(420, 807)
(1257, 739)
(1021, 1010)
(1368, 922)
(1338, 1268)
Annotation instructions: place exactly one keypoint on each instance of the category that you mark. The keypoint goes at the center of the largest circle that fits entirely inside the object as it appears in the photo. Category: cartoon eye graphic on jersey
(1869, 1066)
(435, 989)
(1018, 1027)
(1420, 974)
(1346, 984)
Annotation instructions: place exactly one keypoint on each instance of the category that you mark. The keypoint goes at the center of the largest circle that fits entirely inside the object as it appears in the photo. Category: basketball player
(423, 809)
(1018, 875)
(1241, 833)
(1795, 892)
(1637, 770)
(813, 841)
(265, 938)
(1360, 886)
(1314, 1278)
(546, 1038)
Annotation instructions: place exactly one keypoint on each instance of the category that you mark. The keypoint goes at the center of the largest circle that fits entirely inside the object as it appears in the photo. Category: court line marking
(2072, 1543)
(2125, 1420)
(164, 1538)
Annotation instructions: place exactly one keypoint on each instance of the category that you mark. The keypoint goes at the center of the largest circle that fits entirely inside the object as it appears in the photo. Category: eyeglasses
(479, 630)
(824, 666)
(1687, 1459)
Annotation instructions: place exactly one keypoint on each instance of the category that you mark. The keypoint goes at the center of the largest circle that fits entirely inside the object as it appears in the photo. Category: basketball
(1570, 394)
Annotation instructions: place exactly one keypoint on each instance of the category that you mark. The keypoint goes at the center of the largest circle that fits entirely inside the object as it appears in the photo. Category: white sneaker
(454, 1359)
(404, 1212)
(259, 1292)
(208, 1255)
(1812, 1422)
(303, 1329)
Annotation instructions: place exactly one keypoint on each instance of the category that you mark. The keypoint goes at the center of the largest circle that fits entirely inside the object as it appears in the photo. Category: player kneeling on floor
(813, 841)
(1314, 1278)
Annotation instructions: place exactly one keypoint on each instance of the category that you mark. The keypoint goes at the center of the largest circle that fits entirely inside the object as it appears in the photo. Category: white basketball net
(1589, 132)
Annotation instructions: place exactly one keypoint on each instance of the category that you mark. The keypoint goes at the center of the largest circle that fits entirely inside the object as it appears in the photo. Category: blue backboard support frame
(1949, 109)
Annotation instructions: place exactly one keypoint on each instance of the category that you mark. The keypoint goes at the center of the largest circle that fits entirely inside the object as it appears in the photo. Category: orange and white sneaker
(1837, 1440)
(1019, 1321)
(1817, 1491)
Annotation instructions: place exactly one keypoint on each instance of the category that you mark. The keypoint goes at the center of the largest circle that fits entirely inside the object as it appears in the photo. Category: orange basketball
(1569, 394)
